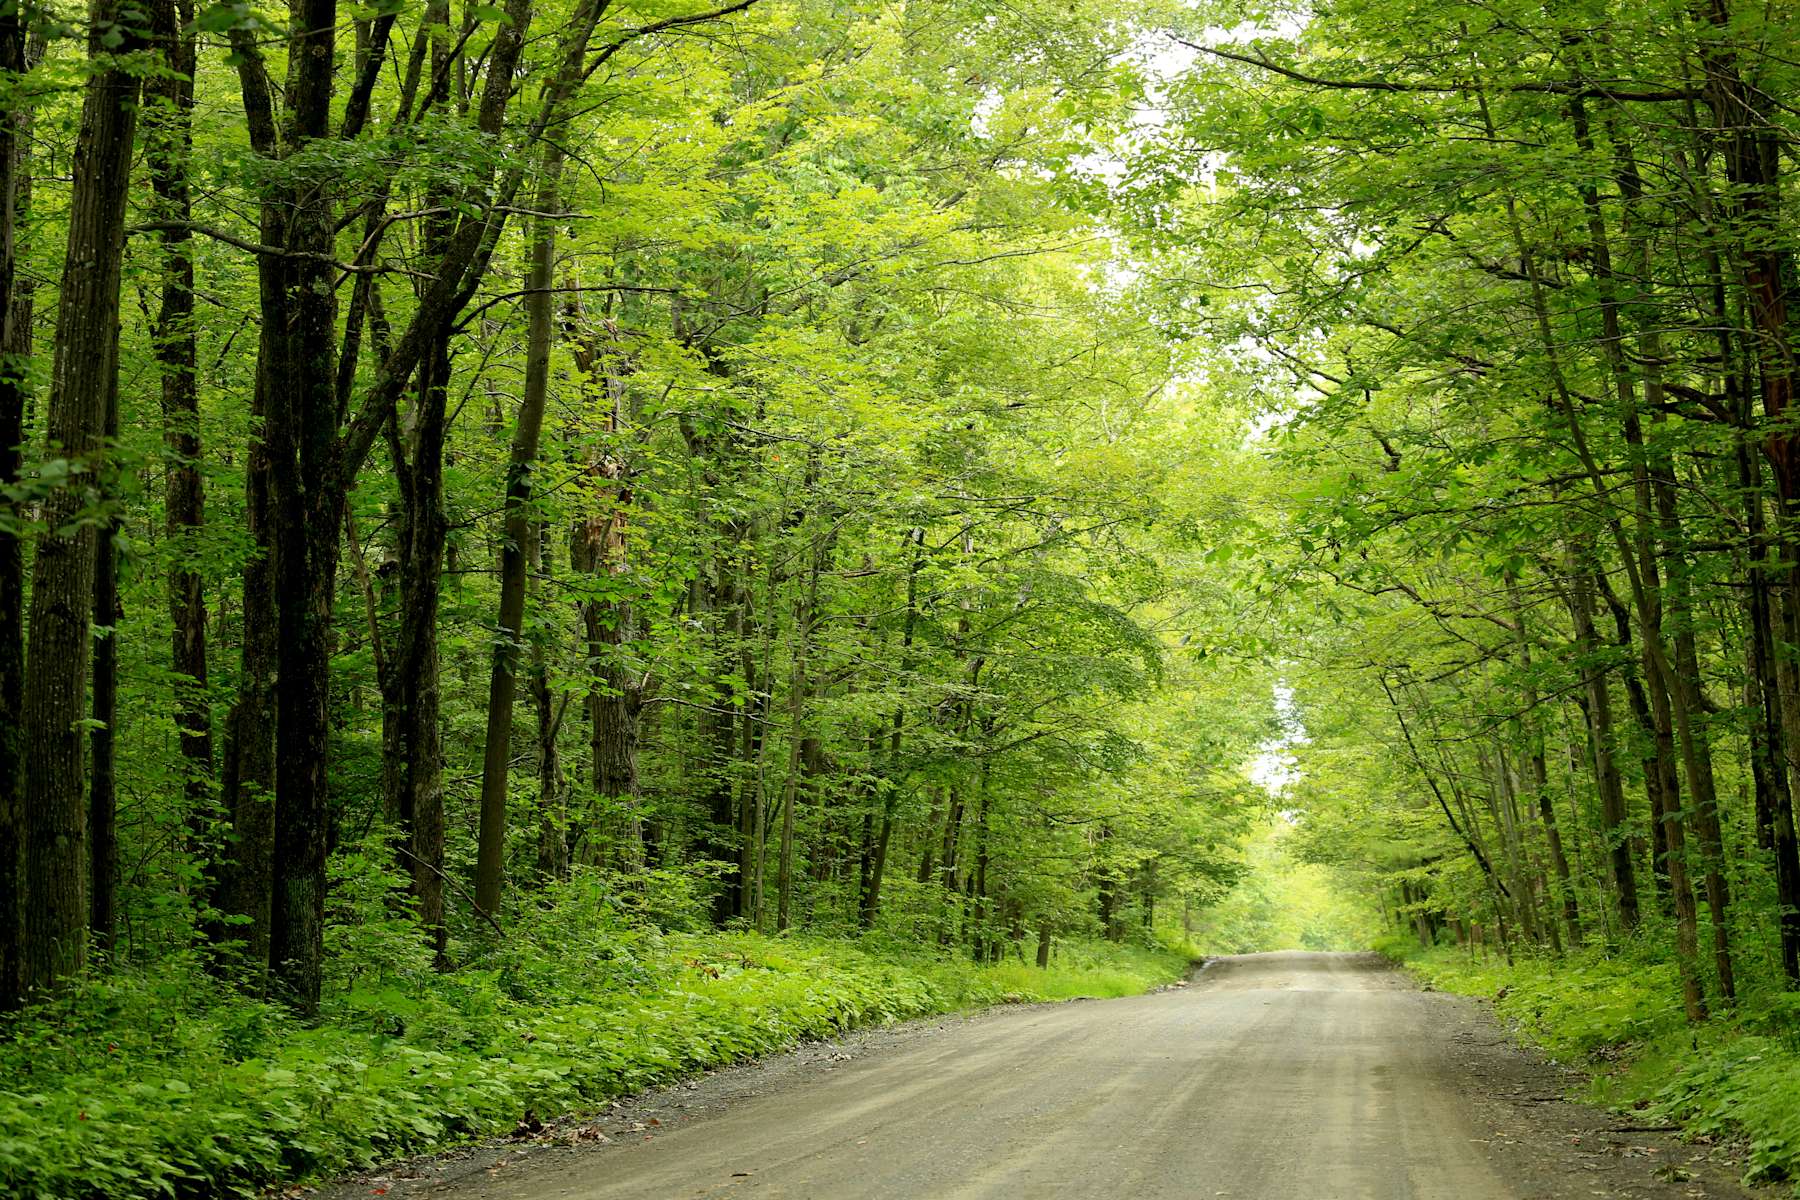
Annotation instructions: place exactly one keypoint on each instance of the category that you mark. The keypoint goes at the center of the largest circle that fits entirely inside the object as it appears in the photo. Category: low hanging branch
(458, 888)
(1550, 87)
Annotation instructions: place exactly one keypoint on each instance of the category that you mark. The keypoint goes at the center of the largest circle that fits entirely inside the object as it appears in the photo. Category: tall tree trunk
(521, 531)
(870, 908)
(306, 512)
(753, 633)
(1763, 255)
(15, 384)
(1537, 776)
(947, 873)
(870, 793)
(1601, 742)
(805, 611)
(1696, 748)
(982, 915)
(103, 782)
(411, 709)
(168, 144)
(247, 774)
(718, 732)
(413, 706)
(928, 843)
(553, 824)
(1782, 824)
(62, 580)
(600, 546)
(1655, 764)
(312, 463)
(1106, 887)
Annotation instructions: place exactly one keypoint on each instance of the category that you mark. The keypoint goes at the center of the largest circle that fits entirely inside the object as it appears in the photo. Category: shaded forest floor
(164, 1082)
(1732, 1082)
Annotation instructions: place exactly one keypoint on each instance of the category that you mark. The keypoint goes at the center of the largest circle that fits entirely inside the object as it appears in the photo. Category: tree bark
(805, 611)
(1538, 775)
(600, 545)
(412, 704)
(517, 543)
(247, 774)
(869, 910)
(103, 783)
(1601, 741)
(16, 306)
(553, 825)
(168, 144)
(62, 582)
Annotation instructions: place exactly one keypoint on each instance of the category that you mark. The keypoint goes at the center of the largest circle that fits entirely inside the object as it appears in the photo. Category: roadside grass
(1735, 1078)
(163, 1082)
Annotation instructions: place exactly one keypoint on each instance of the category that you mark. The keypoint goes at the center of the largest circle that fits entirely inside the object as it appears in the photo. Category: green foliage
(1740, 1087)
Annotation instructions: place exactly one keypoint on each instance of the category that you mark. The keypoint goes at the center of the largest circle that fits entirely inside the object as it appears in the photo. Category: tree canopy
(892, 471)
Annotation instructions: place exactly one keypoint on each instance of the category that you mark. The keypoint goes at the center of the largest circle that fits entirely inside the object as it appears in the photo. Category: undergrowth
(164, 1082)
(1737, 1077)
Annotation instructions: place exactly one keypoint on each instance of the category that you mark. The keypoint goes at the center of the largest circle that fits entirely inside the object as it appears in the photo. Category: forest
(552, 544)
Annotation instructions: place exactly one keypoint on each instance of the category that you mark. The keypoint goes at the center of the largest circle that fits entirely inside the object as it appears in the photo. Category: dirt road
(1270, 1077)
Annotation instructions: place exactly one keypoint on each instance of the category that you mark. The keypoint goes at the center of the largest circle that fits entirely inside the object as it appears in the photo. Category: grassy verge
(1736, 1078)
(164, 1084)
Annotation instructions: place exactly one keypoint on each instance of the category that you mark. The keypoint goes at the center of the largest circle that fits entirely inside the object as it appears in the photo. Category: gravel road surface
(1268, 1077)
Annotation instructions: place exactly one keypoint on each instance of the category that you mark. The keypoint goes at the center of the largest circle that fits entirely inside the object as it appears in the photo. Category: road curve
(1271, 1077)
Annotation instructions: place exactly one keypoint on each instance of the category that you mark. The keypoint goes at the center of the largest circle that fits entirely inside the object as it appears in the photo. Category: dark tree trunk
(1742, 116)
(413, 706)
(62, 581)
(600, 548)
(517, 543)
(1652, 762)
(247, 775)
(168, 143)
(1106, 888)
(306, 513)
(614, 710)
(928, 844)
(1675, 839)
(1696, 747)
(869, 791)
(15, 361)
(948, 873)
(553, 826)
(752, 729)
(718, 733)
(1781, 824)
(1601, 741)
(803, 750)
(1537, 774)
(869, 910)
(984, 937)
(103, 783)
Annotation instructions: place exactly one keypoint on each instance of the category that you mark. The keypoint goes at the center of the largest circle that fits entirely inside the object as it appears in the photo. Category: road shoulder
(1553, 1147)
